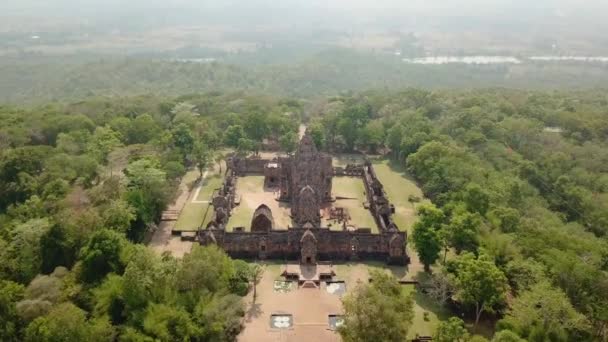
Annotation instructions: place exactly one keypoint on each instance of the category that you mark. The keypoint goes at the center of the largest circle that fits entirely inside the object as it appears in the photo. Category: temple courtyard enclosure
(311, 309)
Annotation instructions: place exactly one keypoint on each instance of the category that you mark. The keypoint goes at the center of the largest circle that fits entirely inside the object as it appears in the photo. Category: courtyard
(314, 312)
(251, 192)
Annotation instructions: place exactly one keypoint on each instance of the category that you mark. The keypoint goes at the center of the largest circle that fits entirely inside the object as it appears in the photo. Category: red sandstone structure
(304, 181)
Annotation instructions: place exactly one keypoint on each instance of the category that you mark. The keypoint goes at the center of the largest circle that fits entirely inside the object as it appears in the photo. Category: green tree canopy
(480, 283)
(426, 236)
(452, 330)
(380, 311)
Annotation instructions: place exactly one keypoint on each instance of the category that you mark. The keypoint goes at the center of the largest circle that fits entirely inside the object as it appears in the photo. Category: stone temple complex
(304, 183)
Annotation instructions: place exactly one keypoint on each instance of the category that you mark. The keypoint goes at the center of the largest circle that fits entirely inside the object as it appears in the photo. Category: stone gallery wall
(331, 245)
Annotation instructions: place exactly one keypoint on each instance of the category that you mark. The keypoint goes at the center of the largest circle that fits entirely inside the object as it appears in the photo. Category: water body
(569, 58)
(464, 60)
(194, 60)
(484, 60)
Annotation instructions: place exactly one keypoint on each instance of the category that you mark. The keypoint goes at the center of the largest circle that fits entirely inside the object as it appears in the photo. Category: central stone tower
(306, 181)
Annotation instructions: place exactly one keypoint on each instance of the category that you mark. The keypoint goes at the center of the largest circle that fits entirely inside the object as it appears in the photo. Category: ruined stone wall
(244, 165)
(351, 170)
(379, 204)
(331, 245)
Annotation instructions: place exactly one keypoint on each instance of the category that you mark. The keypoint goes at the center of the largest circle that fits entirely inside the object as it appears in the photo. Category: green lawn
(242, 214)
(352, 187)
(192, 216)
(399, 186)
(241, 217)
(210, 185)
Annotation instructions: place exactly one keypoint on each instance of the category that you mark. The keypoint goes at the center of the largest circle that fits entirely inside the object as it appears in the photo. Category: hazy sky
(587, 14)
(386, 5)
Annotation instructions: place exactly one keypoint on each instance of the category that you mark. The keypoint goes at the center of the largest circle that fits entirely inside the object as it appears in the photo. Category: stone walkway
(162, 240)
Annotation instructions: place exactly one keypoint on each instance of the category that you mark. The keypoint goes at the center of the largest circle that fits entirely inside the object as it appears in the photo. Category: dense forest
(302, 74)
(516, 233)
(519, 185)
(84, 184)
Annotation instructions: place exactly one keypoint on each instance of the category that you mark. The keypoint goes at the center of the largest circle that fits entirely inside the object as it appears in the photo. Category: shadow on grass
(399, 167)
(398, 272)
(485, 327)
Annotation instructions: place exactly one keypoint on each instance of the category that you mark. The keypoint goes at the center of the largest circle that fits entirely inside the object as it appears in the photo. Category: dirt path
(162, 240)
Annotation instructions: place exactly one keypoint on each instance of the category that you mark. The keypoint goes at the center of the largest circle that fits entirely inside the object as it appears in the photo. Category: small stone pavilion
(304, 181)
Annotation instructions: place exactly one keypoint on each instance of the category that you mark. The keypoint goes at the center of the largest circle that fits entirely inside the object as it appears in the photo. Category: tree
(42, 294)
(476, 199)
(241, 280)
(56, 249)
(10, 324)
(143, 129)
(462, 232)
(205, 268)
(169, 323)
(480, 283)
(148, 194)
(24, 249)
(219, 316)
(109, 299)
(103, 141)
(507, 336)
(372, 136)
(380, 311)
(201, 156)
(102, 255)
(289, 142)
(426, 237)
(440, 287)
(394, 137)
(507, 219)
(64, 323)
(349, 131)
(256, 126)
(452, 330)
(183, 139)
(318, 135)
(147, 279)
(118, 216)
(233, 135)
(544, 312)
(246, 145)
(256, 273)
(130, 334)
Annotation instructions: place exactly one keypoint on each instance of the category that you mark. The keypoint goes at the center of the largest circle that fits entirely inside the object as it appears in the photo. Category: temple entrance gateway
(308, 248)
